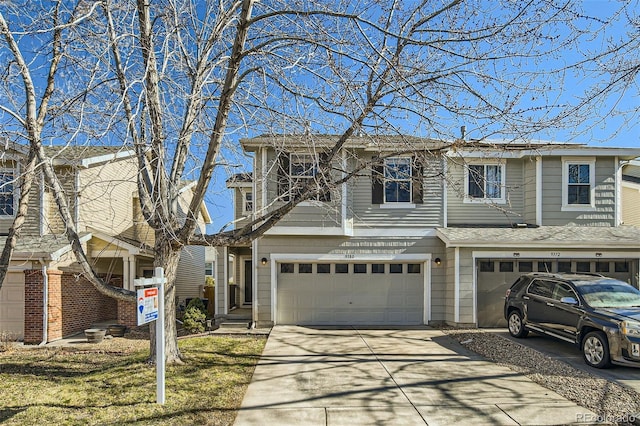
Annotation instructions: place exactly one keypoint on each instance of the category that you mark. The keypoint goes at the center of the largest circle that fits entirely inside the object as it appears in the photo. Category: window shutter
(323, 182)
(377, 182)
(283, 176)
(417, 174)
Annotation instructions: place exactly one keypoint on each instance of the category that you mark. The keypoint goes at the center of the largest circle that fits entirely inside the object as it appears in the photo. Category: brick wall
(127, 313)
(33, 309)
(83, 305)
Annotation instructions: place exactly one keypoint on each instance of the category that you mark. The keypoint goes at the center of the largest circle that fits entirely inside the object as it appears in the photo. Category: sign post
(150, 307)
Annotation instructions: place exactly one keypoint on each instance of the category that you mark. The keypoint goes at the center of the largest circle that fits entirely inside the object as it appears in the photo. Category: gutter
(45, 302)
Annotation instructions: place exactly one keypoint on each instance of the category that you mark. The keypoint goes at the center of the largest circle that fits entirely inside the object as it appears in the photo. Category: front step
(235, 324)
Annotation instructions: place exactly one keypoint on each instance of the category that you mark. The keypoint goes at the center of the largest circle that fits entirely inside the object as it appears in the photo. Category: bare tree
(178, 80)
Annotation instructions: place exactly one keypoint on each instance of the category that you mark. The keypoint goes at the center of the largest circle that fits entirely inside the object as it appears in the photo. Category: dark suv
(601, 315)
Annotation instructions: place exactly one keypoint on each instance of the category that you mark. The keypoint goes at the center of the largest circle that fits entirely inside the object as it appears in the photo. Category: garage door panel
(350, 299)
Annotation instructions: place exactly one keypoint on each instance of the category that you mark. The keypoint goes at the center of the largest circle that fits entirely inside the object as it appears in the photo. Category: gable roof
(49, 247)
(86, 155)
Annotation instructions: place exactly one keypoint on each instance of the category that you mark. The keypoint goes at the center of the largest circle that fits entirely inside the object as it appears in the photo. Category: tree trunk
(167, 257)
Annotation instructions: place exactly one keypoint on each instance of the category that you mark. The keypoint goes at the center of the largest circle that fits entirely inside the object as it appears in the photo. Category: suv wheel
(516, 327)
(595, 350)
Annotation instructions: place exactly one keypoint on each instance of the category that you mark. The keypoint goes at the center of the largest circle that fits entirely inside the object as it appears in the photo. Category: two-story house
(434, 235)
(44, 296)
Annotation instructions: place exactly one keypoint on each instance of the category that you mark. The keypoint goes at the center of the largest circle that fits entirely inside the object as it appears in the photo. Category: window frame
(386, 180)
(13, 193)
(213, 269)
(567, 162)
(502, 185)
(247, 205)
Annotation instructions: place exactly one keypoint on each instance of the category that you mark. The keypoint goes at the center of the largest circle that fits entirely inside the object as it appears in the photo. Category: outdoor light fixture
(263, 261)
(437, 261)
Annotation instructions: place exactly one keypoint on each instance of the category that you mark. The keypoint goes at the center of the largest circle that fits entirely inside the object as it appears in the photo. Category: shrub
(195, 316)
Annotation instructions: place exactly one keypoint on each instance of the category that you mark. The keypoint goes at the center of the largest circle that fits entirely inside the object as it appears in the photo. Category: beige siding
(478, 213)
(105, 196)
(604, 215)
(631, 204)
(53, 222)
(190, 273)
(427, 214)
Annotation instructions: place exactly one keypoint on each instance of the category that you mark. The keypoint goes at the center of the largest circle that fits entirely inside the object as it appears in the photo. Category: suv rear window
(541, 288)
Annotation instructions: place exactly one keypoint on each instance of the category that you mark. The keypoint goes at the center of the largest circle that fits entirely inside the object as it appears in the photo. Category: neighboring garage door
(350, 293)
(495, 276)
(12, 306)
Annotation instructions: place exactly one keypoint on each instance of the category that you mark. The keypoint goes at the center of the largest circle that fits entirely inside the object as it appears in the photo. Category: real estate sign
(147, 305)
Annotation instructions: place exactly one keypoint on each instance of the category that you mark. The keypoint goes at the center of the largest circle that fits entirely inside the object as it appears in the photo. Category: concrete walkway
(310, 376)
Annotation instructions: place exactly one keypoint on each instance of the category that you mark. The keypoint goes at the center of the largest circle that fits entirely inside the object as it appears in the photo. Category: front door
(248, 281)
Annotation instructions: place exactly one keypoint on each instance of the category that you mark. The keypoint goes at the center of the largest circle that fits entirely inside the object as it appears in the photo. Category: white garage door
(12, 305)
(350, 293)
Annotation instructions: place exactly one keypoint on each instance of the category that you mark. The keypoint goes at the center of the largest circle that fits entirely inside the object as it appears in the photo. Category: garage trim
(425, 259)
(558, 254)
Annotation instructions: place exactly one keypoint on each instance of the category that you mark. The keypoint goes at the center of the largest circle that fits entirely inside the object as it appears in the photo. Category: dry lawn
(111, 383)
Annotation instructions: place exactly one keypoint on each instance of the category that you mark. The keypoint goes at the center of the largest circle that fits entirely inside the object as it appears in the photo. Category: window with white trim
(209, 269)
(485, 182)
(295, 170)
(397, 180)
(7, 197)
(578, 178)
(247, 202)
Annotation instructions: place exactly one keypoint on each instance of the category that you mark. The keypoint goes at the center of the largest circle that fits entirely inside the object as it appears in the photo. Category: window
(359, 268)
(7, 206)
(484, 182)
(583, 266)
(621, 266)
(564, 266)
(286, 268)
(397, 182)
(247, 202)
(506, 266)
(602, 266)
(541, 288)
(545, 266)
(395, 268)
(377, 268)
(304, 268)
(578, 177)
(209, 269)
(323, 268)
(486, 266)
(413, 268)
(295, 171)
(342, 268)
(525, 266)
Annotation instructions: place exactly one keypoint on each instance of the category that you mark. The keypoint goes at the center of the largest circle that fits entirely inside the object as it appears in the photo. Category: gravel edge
(614, 403)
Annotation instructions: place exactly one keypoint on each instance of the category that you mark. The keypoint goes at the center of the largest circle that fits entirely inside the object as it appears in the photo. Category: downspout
(45, 304)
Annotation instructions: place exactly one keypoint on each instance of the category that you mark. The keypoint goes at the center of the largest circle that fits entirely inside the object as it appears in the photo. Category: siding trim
(445, 189)
(456, 286)
(618, 192)
(557, 254)
(539, 190)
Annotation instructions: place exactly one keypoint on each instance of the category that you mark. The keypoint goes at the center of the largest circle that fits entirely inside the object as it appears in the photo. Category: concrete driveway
(554, 348)
(311, 376)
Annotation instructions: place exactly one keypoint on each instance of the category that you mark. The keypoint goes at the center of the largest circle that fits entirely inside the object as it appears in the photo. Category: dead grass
(112, 383)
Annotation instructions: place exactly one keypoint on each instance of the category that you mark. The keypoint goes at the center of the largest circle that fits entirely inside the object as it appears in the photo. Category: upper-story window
(485, 182)
(7, 198)
(295, 171)
(397, 181)
(247, 202)
(578, 178)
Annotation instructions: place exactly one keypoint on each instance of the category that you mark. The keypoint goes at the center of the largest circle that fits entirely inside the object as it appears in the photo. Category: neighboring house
(44, 296)
(429, 238)
(631, 193)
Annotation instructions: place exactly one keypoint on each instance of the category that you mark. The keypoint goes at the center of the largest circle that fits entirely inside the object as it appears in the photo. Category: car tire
(516, 325)
(595, 350)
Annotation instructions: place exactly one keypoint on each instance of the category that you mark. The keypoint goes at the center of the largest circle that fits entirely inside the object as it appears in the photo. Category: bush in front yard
(195, 316)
